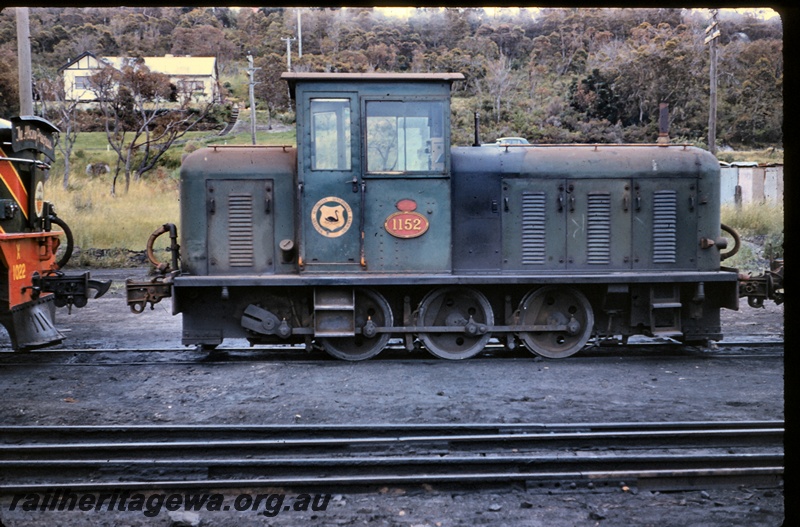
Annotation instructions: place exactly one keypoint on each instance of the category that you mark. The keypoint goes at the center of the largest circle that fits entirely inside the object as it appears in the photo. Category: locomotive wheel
(371, 310)
(556, 306)
(458, 307)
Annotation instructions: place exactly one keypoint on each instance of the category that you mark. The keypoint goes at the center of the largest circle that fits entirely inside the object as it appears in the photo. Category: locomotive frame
(375, 228)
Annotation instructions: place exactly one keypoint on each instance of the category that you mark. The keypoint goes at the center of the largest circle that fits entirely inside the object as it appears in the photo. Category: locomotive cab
(374, 172)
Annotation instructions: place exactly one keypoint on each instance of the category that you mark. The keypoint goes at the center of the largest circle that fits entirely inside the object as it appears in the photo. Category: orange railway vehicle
(32, 284)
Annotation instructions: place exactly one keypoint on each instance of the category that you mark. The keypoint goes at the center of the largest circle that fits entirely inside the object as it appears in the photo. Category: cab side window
(405, 136)
(330, 134)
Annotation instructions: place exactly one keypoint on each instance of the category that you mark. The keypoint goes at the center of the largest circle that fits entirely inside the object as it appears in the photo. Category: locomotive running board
(334, 279)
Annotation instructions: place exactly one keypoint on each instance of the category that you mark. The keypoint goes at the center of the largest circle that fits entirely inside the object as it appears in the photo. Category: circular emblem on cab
(332, 217)
(408, 223)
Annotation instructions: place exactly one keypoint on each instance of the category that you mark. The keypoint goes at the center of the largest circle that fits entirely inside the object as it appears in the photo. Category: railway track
(739, 348)
(674, 455)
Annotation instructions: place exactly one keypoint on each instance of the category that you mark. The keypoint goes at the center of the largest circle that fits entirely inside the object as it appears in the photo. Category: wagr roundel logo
(407, 223)
(332, 217)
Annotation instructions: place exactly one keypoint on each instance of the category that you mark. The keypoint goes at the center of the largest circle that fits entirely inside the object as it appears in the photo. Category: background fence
(750, 183)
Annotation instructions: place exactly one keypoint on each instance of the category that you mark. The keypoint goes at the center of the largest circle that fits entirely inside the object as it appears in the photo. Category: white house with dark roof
(196, 75)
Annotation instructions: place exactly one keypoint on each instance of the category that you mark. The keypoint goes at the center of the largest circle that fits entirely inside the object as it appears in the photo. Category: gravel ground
(252, 388)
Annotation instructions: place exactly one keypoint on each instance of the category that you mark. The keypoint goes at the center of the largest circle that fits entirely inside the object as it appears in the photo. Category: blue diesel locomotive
(374, 228)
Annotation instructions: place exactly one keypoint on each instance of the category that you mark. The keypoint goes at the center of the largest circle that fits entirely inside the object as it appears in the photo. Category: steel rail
(391, 427)
(299, 354)
(704, 435)
(707, 456)
(400, 460)
(415, 479)
(595, 349)
(276, 348)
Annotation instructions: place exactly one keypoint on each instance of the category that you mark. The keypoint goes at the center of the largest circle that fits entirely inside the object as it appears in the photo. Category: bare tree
(64, 113)
(499, 82)
(140, 121)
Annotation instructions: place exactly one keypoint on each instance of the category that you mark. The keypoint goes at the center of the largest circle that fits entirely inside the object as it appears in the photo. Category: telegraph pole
(24, 59)
(712, 32)
(288, 52)
(252, 70)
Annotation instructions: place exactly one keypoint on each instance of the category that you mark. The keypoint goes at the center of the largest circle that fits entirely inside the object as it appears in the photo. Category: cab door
(330, 183)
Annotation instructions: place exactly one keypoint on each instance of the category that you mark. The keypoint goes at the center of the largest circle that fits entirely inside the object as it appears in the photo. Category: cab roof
(400, 77)
(367, 79)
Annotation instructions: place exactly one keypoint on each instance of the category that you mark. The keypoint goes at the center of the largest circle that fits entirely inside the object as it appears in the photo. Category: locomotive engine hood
(587, 161)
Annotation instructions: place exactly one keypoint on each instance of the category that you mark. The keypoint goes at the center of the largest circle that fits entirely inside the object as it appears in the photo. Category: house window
(82, 82)
(191, 86)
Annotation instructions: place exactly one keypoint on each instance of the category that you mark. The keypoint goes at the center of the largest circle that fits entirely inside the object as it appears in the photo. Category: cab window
(330, 134)
(405, 136)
